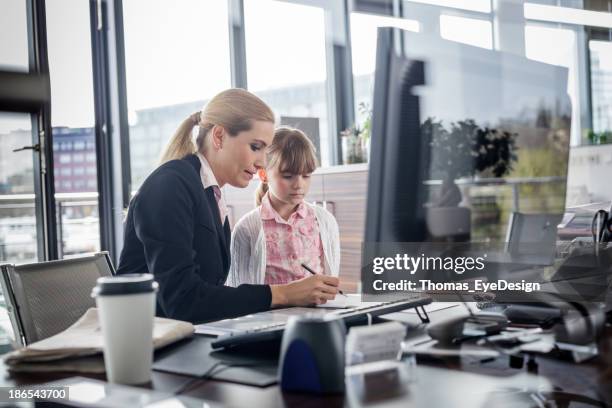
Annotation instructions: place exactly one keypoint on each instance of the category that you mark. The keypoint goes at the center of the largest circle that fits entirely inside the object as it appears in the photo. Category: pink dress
(291, 243)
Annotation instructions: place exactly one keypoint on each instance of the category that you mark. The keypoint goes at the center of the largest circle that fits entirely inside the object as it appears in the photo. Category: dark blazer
(173, 230)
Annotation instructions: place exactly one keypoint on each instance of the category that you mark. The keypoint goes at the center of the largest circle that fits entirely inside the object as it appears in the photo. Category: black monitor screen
(469, 160)
(464, 141)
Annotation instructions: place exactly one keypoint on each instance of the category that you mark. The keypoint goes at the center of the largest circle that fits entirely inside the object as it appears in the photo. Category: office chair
(450, 223)
(531, 238)
(45, 298)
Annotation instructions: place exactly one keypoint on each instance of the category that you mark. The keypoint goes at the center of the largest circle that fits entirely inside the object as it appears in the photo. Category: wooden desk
(591, 380)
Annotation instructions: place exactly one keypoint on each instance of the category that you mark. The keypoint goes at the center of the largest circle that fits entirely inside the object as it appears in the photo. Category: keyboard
(351, 316)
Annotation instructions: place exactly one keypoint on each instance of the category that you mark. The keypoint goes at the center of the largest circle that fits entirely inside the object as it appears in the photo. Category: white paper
(342, 302)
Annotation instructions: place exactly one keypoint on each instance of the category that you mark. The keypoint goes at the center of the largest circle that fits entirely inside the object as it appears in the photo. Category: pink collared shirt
(209, 180)
(291, 243)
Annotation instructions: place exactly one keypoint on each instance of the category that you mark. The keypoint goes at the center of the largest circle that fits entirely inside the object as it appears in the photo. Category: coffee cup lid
(127, 284)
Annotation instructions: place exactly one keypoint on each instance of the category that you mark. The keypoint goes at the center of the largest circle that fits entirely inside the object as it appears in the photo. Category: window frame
(30, 92)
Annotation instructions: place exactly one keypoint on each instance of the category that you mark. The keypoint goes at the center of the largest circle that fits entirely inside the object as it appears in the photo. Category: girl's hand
(312, 290)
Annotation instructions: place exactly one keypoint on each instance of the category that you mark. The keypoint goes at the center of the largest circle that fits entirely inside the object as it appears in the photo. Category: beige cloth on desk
(79, 347)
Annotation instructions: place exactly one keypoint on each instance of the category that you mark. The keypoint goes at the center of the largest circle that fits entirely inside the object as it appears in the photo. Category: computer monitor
(393, 210)
(462, 137)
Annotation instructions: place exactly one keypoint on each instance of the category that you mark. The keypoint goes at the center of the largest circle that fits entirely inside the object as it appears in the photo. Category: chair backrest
(45, 298)
(532, 237)
(446, 222)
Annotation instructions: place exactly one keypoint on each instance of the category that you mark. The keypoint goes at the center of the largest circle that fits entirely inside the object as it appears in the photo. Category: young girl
(270, 243)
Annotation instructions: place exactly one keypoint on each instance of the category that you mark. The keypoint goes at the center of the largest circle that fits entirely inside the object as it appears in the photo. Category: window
(483, 6)
(363, 41)
(569, 12)
(70, 64)
(601, 89)
(176, 59)
(13, 53)
(18, 238)
(73, 119)
(90, 157)
(465, 30)
(65, 171)
(557, 46)
(79, 171)
(18, 211)
(286, 63)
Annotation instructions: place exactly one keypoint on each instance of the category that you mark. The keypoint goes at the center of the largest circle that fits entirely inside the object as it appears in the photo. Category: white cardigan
(248, 247)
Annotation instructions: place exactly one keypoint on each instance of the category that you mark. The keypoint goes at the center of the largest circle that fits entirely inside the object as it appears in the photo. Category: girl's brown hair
(292, 152)
(235, 109)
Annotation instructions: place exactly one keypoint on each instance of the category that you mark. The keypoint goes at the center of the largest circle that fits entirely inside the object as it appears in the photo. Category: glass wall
(483, 6)
(13, 53)
(18, 232)
(18, 240)
(558, 46)
(73, 119)
(17, 216)
(286, 65)
(18, 237)
(601, 91)
(176, 59)
(363, 50)
(471, 31)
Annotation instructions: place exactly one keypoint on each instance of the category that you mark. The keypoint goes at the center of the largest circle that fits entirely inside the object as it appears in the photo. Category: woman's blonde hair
(235, 109)
(292, 152)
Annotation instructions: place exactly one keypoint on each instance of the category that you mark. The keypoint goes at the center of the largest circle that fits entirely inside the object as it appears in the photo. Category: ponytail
(235, 109)
(261, 191)
(181, 143)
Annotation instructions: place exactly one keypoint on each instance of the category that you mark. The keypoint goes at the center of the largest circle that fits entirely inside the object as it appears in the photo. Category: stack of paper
(79, 347)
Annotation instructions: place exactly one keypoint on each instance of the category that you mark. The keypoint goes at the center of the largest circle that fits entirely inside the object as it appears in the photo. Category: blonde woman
(177, 229)
(284, 235)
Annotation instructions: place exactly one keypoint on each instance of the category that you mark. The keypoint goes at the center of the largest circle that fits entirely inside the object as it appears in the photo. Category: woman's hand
(312, 290)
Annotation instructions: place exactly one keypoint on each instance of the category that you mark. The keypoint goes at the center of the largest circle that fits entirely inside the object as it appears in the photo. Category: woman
(176, 226)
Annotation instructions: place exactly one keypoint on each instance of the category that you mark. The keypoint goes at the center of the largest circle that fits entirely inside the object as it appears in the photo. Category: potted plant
(599, 138)
(351, 145)
(366, 129)
(356, 139)
(466, 149)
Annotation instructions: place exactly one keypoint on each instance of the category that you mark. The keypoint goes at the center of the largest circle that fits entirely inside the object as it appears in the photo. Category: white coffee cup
(126, 309)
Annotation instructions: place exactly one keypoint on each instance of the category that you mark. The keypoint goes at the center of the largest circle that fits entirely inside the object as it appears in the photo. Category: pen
(314, 273)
